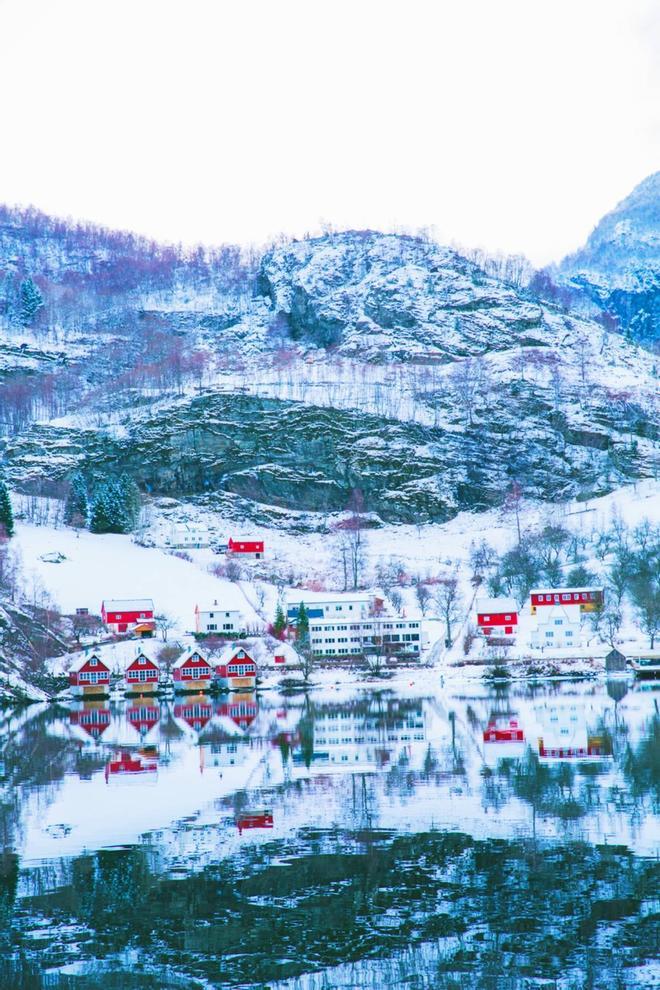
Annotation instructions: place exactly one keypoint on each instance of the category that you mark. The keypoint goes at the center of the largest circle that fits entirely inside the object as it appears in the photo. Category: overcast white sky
(511, 124)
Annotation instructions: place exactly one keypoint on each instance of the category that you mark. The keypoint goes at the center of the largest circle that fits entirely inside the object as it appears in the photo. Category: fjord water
(467, 837)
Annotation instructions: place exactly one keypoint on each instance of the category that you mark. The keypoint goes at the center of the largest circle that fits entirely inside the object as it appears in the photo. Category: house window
(569, 632)
(508, 630)
(576, 598)
(566, 598)
(211, 614)
(559, 622)
(142, 660)
(549, 634)
(507, 618)
(142, 675)
(93, 662)
(211, 627)
(486, 618)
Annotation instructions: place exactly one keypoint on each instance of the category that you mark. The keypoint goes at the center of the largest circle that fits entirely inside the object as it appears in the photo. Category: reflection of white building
(354, 739)
(566, 729)
(557, 627)
(384, 634)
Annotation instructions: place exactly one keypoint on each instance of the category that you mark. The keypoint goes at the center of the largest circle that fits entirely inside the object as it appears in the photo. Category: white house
(188, 535)
(220, 621)
(388, 634)
(557, 627)
(328, 604)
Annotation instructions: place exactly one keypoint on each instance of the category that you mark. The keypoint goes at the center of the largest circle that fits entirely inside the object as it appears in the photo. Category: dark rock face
(619, 266)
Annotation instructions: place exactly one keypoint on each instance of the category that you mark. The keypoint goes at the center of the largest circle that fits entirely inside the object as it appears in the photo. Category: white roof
(569, 610)
(562, 591)
(229, 652)
(295, 596)
(186, 656)
(83, 659)
(128, 604)
(191, 527)
(496, 605)
(219, 608)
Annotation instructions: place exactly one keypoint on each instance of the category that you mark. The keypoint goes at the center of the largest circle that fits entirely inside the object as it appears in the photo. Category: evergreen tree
(280, 621)
(101, 519)
(129, 493)
(302, 626)
(116, 506)
(76, 509)
(6, 513)
(31, 301)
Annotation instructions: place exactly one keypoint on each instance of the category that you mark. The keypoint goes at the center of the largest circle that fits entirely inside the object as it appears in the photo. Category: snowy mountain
(619, 266)
(274, 385)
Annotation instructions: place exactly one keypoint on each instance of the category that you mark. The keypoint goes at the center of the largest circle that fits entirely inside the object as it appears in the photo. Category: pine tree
(101, 515)
(115, 506)
(280, 621)
(131, 502)
(76, 509)
(31, 301)
(6, 513)
(302, 625)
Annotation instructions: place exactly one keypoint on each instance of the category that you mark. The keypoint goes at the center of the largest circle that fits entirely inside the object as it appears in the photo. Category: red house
(89, 675)
(262, 819)
(192, 672)
(501, 730)
(497, 616)
(246, 548)
(142, 675)
(126, 762)
(236, 669)
(589, 599)
(123, 615)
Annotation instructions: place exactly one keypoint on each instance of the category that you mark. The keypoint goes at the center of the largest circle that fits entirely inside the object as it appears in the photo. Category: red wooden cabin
(497, 616)
(122, 615)
(253, 548)
(89, 675)
(142, 674)
(192, 672)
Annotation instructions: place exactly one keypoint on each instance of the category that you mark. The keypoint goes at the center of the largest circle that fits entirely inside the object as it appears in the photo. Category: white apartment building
(557, 627)
(224, 622)
(188, 535)
(388, 634)
(328, 604)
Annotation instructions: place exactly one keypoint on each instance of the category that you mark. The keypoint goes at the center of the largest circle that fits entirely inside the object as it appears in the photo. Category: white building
(388, 634)
(328, 604)
(215, 619)
(189, 535)
(557, 627)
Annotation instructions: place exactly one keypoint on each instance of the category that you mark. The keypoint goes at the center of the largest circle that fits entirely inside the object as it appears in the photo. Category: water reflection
(437, 840)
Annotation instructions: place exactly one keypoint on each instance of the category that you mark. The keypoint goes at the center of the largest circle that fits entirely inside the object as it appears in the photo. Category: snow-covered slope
(619, 266)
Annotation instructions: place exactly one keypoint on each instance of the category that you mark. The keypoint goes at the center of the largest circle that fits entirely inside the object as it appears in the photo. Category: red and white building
(246, 548)
(129, 615)
(89, 676)
(195, 713)
(90, 720)
(192, 672)
(497, 616)
(143, 716)
(142, 675)
(236, 670)
(588, 599)
(126, 763)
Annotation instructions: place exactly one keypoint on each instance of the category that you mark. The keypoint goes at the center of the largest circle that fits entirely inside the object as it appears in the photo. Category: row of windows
(566, 597)
(362, 627)
(94, 676)
(213, 626)
(240, 670)
(195, 673)
(550, 634)
(142, 675)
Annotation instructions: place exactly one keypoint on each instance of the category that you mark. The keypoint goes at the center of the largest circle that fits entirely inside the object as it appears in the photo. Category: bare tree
(423, 596)
(448, 600)
(164, 623)
(352, 541)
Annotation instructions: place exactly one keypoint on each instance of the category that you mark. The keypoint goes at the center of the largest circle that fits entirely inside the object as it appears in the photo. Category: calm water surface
(470, 838)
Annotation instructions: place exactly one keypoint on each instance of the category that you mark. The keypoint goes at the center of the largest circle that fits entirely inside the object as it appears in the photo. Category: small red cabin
(142, 672)
(497, 616)
(191, 670)
(122, 615)
(254, 548)
(262, 819)
(89, 675)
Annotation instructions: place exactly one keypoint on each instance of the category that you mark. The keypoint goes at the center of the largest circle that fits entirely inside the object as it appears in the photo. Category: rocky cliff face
(619, 266)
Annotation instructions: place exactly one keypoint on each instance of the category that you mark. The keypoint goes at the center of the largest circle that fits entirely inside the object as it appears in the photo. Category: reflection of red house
(195, 713)
(143, 717)
(126, 762)
(263, 819)
(500, 730)
(596, 746)
(242, 709)
(94, 721)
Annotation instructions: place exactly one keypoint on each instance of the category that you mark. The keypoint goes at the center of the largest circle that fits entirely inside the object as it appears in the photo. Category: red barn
(497, 616)
(246, 548)
(192, 672)
(122, 615)
(589, 599)
(142, 675)
(89, 675)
